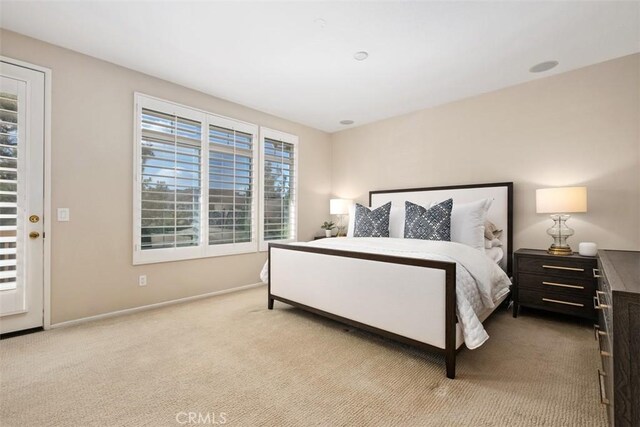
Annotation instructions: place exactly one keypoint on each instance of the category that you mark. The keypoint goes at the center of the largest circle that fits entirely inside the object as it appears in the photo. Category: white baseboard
(150, 306)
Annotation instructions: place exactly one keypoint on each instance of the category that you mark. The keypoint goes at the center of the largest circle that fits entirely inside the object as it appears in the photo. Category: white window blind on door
(170, 186)
(231, 186)
(8, 189)
(279, 187)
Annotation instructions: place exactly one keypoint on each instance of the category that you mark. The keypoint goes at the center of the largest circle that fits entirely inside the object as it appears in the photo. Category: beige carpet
(230, 355)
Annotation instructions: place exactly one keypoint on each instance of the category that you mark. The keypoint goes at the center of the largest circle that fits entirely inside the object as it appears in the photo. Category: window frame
(203, 249)
(289, 139)
(245, 247)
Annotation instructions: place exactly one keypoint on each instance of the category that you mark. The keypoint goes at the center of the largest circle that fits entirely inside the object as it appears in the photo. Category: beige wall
(92, 146)
(575, 128)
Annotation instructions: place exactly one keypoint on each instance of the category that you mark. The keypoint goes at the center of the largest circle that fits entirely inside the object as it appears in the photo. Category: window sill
(184, 254)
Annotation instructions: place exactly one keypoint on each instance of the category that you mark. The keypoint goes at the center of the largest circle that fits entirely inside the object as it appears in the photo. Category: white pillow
(351, 224)
(396, 221)
(467, 222)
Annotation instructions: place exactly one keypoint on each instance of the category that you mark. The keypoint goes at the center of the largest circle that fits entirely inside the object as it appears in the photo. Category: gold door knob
(34, 218)
(34, 235)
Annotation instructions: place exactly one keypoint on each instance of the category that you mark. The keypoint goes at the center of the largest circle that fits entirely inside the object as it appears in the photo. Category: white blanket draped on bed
(479, 281)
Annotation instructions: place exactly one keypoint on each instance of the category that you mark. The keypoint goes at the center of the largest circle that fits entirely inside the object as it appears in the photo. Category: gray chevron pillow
(428, 224)
(372, 223)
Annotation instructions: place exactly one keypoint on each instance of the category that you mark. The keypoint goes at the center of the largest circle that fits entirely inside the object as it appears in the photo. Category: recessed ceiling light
(346, 122)
(543, 66)
(361, 56)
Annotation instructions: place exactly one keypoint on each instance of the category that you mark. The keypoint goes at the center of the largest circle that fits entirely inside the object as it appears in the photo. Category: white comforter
(479, 280)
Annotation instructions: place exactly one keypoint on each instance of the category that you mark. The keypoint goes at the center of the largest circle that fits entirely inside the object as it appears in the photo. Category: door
(21, 197)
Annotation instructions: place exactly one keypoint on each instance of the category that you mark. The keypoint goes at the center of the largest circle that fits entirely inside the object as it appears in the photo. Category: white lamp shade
(561, 200)
(339, 206)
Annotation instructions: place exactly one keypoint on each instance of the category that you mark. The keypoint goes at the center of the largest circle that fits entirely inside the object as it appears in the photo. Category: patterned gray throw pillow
(372, 223)
(428, 224)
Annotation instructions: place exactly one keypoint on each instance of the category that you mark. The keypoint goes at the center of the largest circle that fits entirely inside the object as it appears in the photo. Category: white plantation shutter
(171, 181)
(8, 189)
(231, 186)
(278, 187)
(194, 190)
(279, 192)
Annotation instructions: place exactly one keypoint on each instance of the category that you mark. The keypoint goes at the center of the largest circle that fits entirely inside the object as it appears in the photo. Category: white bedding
(479, 281)
(495, 254)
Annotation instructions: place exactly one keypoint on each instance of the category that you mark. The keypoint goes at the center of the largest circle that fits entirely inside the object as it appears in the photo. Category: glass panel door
(21, 197)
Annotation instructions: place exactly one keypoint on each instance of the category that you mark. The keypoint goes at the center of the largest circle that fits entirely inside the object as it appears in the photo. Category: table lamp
(339, 207)
(559, 202)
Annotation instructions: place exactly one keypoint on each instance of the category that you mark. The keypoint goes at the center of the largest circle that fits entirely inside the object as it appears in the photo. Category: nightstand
(563, 284)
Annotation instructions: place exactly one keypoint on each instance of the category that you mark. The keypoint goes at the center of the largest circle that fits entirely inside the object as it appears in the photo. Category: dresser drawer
(605, 375)
(584, 288)
(605, 386)
(603, 283)
(605, 346)
(604, 323)
(602, 303)
(557, 266)
(553, 301)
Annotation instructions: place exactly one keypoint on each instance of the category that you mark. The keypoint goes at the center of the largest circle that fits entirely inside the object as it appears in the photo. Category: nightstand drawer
(566, 286)
(557, 266)
(578, 306)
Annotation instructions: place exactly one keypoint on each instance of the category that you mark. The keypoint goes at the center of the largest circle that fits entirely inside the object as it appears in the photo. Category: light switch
(63, 214)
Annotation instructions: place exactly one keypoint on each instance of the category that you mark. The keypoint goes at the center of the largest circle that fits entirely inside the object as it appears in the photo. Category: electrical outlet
(142, 280)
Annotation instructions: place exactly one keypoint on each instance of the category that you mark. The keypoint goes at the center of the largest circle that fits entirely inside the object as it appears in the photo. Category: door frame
(46, 291)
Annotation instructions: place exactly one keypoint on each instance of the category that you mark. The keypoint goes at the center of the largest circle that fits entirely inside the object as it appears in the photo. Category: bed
(389, 287)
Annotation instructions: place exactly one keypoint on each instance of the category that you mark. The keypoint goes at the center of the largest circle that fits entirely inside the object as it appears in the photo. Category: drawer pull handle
(603, 397)
(563, 285)
(598, 333)
(596, 301)
(605, 353)
(562, 302)
(596, 273)
(557, 267)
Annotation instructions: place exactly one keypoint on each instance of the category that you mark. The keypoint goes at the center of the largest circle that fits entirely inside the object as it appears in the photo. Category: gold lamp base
(562, 251)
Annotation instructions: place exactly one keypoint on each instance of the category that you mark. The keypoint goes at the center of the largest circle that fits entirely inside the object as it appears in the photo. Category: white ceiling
(275, 57)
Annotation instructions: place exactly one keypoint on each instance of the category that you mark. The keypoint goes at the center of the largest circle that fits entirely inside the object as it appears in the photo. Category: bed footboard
(405, 299)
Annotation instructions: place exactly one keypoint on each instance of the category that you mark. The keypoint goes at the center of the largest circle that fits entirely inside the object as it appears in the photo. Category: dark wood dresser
(617, 302)
(564, 284)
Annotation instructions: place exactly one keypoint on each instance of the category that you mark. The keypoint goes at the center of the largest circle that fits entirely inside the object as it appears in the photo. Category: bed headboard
(500, 212)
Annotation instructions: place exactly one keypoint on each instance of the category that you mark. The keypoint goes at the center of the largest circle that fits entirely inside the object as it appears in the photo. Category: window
(194, 183)
(168, 191)
(278, 187)
(232, 197)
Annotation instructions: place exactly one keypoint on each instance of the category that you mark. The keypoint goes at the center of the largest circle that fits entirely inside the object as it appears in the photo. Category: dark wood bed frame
(450, 279)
